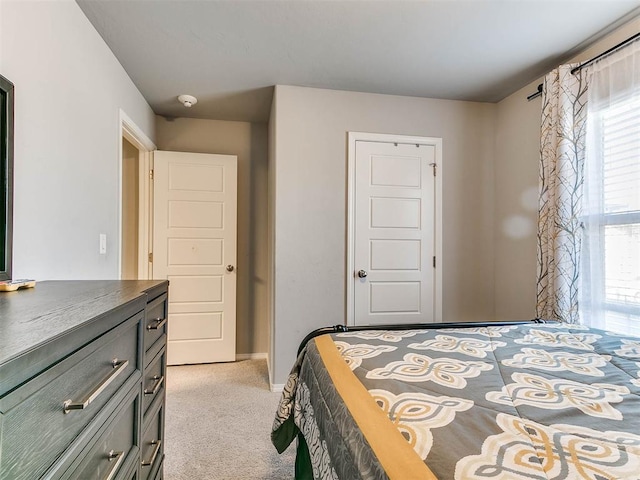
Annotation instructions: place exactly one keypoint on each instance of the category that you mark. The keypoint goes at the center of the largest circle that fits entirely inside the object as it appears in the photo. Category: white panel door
(394, 233)
(194, 247)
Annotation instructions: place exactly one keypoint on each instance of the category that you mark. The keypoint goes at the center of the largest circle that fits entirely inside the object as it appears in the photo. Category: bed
(520, 400)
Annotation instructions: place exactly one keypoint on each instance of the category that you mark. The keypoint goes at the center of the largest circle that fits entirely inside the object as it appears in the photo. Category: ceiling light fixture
(187, 100)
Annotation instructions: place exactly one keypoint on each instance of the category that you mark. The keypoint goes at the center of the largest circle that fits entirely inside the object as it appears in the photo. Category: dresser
(82, 377)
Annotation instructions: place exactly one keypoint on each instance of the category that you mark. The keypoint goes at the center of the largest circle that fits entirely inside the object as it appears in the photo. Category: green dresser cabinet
(82, 367)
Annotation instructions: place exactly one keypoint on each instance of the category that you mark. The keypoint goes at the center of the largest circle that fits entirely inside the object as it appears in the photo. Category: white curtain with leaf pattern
(562, 151)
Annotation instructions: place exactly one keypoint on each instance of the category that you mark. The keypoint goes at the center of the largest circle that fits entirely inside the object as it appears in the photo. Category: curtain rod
(605, 53)
(535, 94)
(590, 61)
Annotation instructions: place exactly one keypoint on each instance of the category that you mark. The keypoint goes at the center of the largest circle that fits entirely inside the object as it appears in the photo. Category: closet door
(195, 210)
(394, 233)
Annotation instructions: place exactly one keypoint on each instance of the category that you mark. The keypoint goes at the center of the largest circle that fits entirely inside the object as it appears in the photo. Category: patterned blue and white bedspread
(531, 401)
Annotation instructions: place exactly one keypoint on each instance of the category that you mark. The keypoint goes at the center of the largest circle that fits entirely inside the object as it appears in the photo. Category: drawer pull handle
(118, 368)
(158, 444)
(158, 381)
(157, 324)
(118, 457)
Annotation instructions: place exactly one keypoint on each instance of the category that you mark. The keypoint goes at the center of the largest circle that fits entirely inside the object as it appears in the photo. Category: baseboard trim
(250, 356)
(276, 387)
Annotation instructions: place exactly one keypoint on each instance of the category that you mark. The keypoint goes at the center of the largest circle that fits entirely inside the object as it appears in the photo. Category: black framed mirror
(6, 177)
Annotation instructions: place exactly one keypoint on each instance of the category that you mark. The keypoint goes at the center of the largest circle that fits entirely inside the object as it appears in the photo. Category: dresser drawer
(116, 446)
(153, 380)
(63, 400)
(156, 321)
(152, 449)
(160, 473)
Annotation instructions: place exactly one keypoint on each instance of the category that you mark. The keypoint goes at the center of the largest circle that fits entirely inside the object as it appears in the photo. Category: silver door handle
(118, 368)
(157, 381)
(157, 323)
(118, 457)
(362, 273)
(148, 463)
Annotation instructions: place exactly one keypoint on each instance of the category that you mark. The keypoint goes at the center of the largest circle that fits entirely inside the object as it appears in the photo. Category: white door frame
(354, 137)
(129, 130)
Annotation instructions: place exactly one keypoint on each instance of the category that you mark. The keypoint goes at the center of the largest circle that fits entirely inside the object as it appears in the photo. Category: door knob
(230, 268)
(362, 273)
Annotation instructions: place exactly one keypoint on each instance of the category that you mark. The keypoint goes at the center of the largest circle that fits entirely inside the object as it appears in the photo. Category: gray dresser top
(36, 323)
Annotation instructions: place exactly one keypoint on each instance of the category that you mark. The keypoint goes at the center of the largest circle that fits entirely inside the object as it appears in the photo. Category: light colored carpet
(218, 421)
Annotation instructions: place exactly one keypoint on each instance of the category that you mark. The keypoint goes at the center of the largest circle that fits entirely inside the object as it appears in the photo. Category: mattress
(524, 401)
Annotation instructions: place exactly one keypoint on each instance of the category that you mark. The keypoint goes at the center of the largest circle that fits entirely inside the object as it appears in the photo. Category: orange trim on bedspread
(397, 457)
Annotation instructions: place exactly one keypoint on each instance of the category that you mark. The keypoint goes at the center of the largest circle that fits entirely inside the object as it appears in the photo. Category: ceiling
(230, 53)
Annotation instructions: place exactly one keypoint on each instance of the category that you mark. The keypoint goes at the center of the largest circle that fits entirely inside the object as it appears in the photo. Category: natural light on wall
(611, 250)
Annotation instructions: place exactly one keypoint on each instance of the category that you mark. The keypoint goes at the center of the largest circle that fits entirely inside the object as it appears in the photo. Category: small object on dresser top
(13, 285)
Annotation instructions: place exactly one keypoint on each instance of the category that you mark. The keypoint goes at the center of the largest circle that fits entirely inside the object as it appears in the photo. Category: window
(612, 217)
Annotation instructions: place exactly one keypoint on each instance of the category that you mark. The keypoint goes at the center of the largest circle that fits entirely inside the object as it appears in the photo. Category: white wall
(309, 160)
(249, 142)
(516, 165)
(69, 89)
(516, 205)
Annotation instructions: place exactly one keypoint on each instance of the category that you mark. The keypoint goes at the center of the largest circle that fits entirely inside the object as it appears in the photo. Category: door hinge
(434, 165)
(151, 257)
(151, 174)
(434, 262)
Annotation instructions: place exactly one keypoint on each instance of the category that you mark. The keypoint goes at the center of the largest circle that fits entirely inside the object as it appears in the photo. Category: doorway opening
(136, 170)
(130, 211)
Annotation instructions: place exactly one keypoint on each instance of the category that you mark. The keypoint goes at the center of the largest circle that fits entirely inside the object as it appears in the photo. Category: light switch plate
(103, 243)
